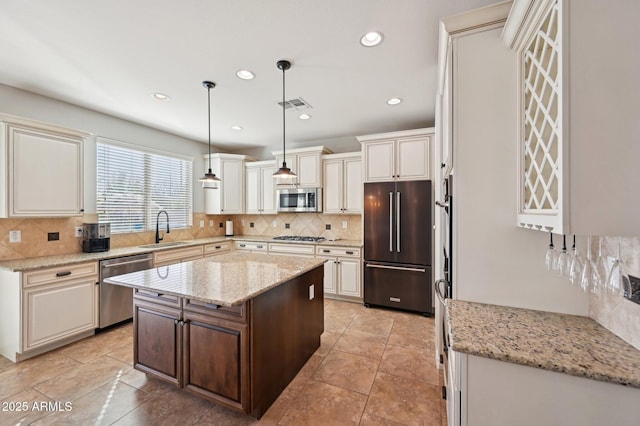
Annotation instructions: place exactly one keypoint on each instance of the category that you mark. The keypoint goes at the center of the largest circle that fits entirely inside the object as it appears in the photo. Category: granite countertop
(228, 279)
(19, 265)
(568, 344)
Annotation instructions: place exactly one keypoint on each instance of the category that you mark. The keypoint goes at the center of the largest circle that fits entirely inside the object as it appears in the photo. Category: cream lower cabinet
(47, 308)
(342, 272)
(42, 169)
(214, 249)
(252, 247)
(185, 254)
(500, 393)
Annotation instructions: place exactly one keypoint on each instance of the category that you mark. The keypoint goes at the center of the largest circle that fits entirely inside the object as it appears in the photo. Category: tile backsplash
(617, 314)
(34, 231)
(34, 235)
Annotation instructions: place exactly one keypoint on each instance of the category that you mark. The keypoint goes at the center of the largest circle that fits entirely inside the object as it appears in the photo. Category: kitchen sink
(167, 244)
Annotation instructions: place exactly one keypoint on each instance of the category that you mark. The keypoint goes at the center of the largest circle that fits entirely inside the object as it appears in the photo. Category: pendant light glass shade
(284, 172)
(209, 180)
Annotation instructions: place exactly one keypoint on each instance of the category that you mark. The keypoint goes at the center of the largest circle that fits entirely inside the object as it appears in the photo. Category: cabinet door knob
(175, 321)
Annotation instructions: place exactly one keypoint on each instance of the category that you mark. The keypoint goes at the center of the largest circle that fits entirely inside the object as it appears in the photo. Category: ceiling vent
(298, 104)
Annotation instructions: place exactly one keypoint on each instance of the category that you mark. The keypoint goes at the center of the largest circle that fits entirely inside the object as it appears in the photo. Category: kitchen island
(235, 328)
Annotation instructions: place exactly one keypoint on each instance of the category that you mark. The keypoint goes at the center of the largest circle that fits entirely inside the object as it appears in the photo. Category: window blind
(133, 186)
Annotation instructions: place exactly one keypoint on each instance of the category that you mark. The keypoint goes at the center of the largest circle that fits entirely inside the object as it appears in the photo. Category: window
(133, 186)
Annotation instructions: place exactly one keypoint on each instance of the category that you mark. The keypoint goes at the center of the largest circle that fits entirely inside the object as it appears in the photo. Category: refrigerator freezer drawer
(398, 286)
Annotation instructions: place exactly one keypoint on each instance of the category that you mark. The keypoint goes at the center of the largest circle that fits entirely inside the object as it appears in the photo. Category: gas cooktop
(299, 238)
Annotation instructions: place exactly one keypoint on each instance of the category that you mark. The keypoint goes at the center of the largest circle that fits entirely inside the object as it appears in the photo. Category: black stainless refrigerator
(397, 245)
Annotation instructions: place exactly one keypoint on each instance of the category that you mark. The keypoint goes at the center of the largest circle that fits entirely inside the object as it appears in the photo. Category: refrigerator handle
(398, 221)
(391, 222)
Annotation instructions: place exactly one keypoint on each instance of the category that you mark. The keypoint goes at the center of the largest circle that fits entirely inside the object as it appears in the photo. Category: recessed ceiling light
(245, 74)
(160, 96)
(394, 101)
(304, 116)
(371, 39)
(237, 128)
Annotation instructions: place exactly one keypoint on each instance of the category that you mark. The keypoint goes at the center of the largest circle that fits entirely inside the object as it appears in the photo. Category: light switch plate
(211, 224)
(202, 224)
(15, 236)
(311, 292)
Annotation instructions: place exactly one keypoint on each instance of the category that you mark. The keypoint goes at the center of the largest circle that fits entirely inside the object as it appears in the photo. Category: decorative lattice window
(542, 126)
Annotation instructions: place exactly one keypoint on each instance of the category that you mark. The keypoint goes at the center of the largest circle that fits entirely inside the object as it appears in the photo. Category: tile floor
(374, 367)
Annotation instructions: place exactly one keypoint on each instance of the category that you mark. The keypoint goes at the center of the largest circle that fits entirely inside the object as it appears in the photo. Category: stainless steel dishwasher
(116, 302)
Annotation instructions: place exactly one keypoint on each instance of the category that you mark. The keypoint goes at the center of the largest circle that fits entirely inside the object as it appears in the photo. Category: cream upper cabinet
(577, 103)
(342, 183)
(260, 187)
(306, 163)
(402, 155)
(229, 197)
(42, 172)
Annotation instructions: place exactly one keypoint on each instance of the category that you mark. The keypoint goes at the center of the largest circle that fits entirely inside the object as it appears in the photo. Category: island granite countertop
(228, 279)
(569, 344)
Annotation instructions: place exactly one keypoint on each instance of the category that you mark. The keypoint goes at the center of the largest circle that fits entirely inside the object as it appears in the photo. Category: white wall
(495, 261)
(26, 104)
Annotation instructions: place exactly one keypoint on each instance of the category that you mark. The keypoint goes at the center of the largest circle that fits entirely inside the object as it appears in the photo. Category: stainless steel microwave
(299, 200)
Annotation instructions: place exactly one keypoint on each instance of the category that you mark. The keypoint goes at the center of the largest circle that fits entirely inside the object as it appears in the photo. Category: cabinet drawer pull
(260, 246)
(218, 247)
(63, 274)
(326, 251)
(243, 245)
(212, 305)
(349, 252)
(394, 299)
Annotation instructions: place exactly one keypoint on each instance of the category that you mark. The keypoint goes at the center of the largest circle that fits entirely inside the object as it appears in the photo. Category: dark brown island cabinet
(241, 357)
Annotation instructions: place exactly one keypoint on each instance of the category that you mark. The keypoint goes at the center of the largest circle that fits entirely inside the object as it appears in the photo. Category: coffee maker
(96, 237)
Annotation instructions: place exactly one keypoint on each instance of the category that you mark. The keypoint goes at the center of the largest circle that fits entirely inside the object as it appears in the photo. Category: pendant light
(209, 180)
(284, 172)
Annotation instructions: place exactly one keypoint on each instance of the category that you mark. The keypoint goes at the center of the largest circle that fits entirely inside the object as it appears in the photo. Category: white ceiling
(110, 56)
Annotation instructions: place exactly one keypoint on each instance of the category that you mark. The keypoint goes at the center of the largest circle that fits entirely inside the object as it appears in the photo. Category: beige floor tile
(175, 407)
(327, 341)
(369, 419)
(360, 343)
(102, 406)
(337, 323)
(5, 364)
(95, 346)
(19, 409)
(410, 363)
(221, 416)
(323, 404)
(411, 402)
(371, 323)
(124, 354)
(75, 383)
(140, 380)
(33, 371)
(305, 373)
(352, 372)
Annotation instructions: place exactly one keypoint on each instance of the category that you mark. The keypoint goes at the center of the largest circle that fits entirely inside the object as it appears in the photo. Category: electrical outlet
(211, 224)
(311, 292)
(78, 231)
(15, 236)
(202, 224)
(344, 224)
(274, 223)
(327, 226)
(287, 226)
(53, 236)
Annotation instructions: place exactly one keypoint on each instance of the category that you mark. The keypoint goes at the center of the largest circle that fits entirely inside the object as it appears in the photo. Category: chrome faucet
(158, 237)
